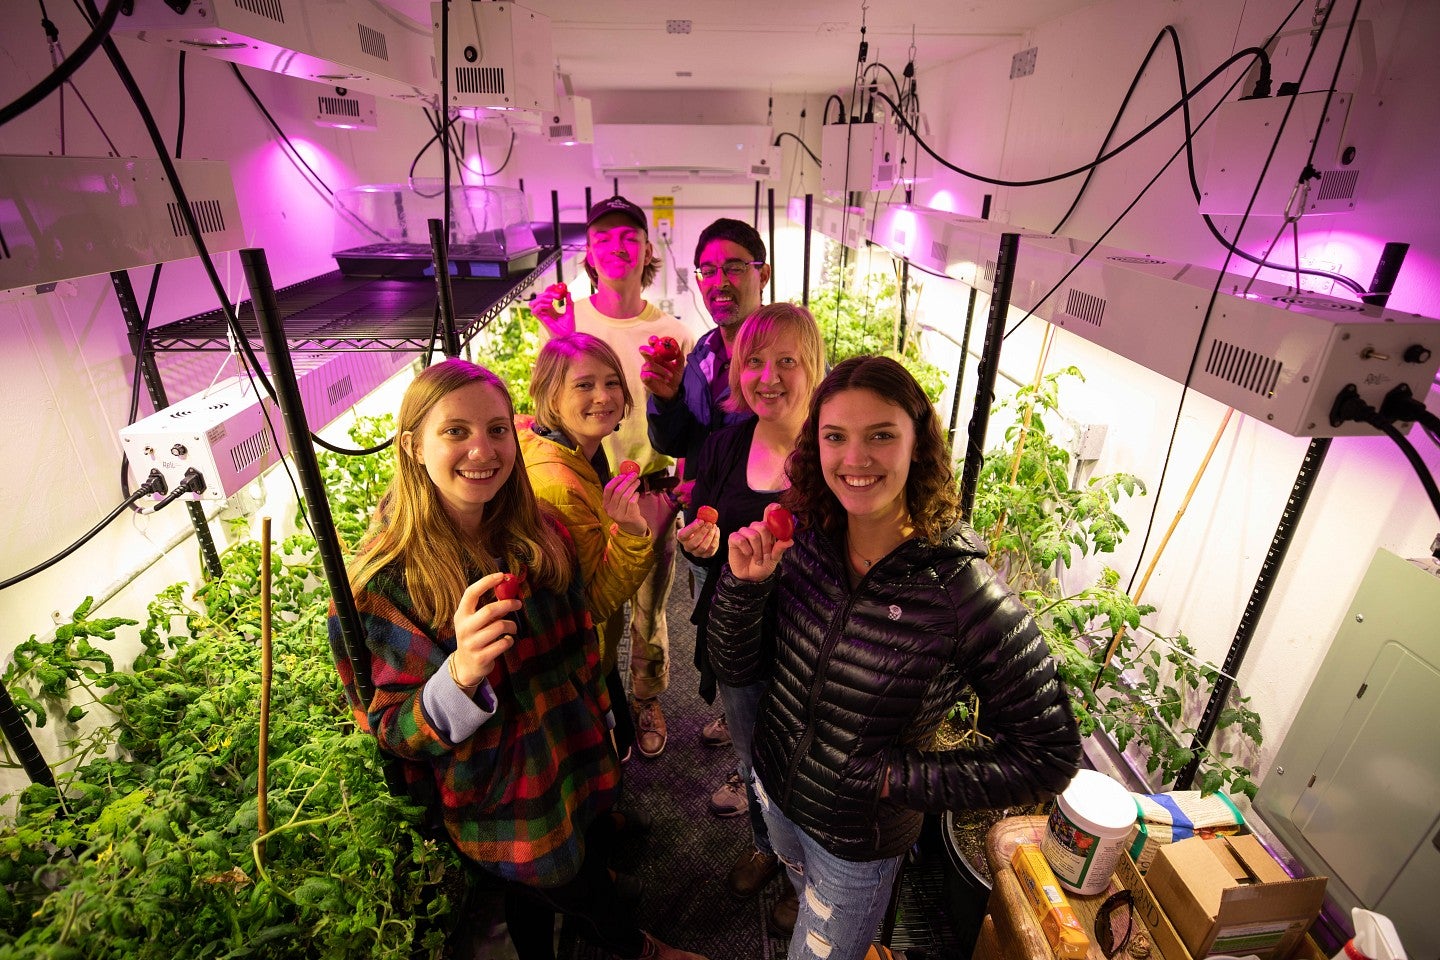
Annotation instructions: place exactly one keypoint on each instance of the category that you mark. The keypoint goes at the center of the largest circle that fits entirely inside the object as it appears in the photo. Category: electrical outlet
(663, 231)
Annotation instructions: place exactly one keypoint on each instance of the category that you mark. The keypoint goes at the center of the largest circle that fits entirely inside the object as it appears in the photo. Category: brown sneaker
(657, 950)
(751, 872)
(781, 919)
(716, 733)
(729, 799)
(650, 733)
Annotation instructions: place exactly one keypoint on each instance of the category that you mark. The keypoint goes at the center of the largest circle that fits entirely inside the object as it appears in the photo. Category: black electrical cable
(825, 110)
(899, 91)
(803, 145)
(1220, 277)
(503, 163)
(365, 452)
(98, 34)
(1115, 124)
(180, 120)
(1349, 406)
(1249, 52)
(146, 489)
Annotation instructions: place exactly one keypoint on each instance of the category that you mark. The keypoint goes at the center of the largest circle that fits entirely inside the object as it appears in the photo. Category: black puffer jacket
(859, 680)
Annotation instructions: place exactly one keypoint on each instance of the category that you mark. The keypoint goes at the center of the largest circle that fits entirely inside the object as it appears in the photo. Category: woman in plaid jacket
(495, 708)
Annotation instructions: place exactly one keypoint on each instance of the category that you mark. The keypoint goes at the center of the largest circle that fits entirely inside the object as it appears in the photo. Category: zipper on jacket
(827, 647)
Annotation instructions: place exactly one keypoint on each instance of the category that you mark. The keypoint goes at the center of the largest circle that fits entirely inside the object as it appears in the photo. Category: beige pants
(649, 635)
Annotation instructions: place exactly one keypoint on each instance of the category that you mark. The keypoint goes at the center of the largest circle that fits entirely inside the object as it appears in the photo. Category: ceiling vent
(722, 152)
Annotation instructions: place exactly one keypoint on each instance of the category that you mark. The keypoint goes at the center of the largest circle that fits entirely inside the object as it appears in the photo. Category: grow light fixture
(572, 122)
(65, 217)
(501, 56)
(1276, 355)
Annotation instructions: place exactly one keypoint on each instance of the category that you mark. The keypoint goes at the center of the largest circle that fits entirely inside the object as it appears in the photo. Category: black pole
(150, 373)
(989, 366)
(302, 452)
(555, 226)
(440, 254)
(960, 370)
(1259, 596)
(771, 203)
(809, 221)
(588, 203)
(12, 724)
(756, 219)
(1386, 270)
(614, 186)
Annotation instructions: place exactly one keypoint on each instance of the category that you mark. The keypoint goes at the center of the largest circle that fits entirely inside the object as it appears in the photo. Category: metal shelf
(334, 312)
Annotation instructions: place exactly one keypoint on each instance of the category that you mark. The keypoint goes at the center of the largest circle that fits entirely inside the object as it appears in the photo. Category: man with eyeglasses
(685, 403)
(621, 263)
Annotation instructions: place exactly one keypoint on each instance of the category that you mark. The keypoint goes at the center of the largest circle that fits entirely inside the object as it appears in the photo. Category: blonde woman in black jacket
(866, 627)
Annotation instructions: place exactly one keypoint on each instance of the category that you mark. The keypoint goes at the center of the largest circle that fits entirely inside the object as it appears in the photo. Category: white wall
(66, 365)
(1367, 496)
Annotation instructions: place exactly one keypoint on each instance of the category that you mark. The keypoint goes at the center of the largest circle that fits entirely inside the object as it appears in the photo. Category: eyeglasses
(1113, 922)
(734, 269)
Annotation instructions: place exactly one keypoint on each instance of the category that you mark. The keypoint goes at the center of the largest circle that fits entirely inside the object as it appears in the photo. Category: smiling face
(591, 401)
(466, 443)
(773, 380)
(617, 248)
(730, 301)
(866, 446)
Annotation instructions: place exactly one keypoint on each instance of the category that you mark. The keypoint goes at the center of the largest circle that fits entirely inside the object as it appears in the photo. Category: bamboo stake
(1175, 522)
(265, 669)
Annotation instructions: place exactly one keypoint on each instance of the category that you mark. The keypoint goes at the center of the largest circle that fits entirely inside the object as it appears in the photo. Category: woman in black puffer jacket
(866, 627)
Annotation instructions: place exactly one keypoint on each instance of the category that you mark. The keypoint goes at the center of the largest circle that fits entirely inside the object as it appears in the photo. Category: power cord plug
(154, 484)
(1349, 406)
(192, 482)
(1400, 404)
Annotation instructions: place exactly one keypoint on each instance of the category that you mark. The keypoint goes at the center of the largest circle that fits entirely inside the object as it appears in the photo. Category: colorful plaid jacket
(517, 795)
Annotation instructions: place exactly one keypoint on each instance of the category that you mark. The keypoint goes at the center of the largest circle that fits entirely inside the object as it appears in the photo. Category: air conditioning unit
(225, 433)
(501, 56)
(64, 217)
(351, 43)
(720, 152)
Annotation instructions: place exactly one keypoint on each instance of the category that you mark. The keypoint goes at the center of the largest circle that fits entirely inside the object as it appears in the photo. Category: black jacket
(860, 679)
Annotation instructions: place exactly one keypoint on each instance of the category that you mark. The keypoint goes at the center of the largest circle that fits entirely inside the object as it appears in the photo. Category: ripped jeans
(841, 901)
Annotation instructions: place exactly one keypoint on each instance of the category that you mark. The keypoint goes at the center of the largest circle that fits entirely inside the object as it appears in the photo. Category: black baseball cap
(618, 204)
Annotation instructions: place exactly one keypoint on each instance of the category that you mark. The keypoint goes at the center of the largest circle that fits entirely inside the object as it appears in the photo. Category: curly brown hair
(930, 492)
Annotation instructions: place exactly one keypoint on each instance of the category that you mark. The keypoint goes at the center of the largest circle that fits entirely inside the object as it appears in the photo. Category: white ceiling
(784, 46)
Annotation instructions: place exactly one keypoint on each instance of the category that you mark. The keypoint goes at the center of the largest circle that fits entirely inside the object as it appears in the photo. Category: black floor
(683, 861)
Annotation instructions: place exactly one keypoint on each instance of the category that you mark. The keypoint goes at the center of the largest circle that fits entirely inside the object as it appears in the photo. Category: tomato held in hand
(508, 588)
(668, 350)
(627, 466)
(708, 514)
(780, 521)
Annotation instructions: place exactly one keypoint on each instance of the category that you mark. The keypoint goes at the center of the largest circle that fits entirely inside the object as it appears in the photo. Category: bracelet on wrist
(467, 689)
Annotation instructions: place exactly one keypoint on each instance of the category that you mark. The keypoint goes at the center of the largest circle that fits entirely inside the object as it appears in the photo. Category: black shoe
(632, 822)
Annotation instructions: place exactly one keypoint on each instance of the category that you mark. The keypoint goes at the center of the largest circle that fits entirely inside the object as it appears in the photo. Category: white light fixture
(343, 108)
(359, 44)
(572, 121)
(501, 56)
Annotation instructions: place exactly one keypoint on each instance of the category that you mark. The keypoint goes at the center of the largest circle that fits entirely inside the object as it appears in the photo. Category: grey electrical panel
(1354, 792)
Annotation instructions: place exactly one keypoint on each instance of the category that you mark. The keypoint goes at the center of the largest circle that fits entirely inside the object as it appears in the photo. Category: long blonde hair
(411, 527)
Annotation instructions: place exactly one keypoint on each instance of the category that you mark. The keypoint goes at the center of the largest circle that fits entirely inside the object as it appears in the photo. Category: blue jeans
(742, 707)
(841, 901)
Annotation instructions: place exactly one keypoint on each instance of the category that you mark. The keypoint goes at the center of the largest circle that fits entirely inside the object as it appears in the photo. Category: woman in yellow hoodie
(580, 398)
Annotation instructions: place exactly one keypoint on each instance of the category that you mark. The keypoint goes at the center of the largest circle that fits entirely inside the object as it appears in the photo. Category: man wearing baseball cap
(621, 263)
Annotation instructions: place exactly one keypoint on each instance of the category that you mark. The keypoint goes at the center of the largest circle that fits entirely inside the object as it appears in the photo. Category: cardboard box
(1229, 896)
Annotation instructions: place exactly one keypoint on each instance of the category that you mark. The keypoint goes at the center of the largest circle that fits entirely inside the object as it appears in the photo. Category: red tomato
(708, 514)
(780, 521)
(668, 350)
(628, 466)
(508, 588)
